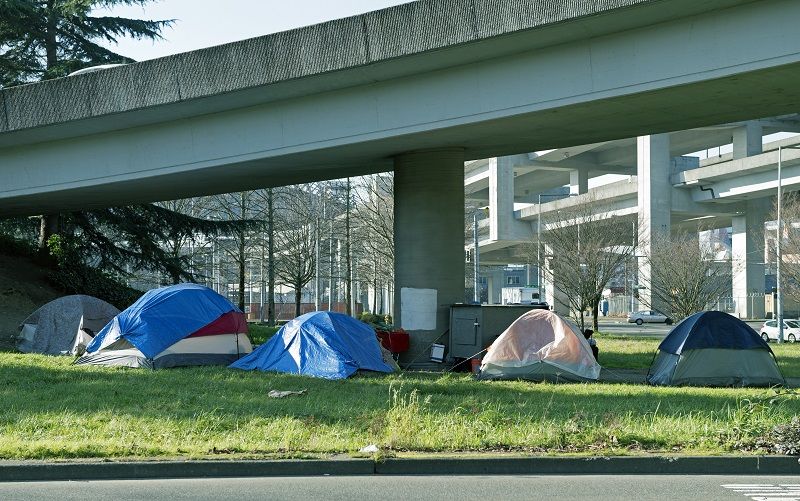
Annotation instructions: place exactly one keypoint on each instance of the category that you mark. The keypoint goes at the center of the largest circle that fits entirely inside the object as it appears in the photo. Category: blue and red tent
(184, 324)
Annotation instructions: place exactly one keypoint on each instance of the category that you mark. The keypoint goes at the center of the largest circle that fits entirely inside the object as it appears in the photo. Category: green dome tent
(712, 348)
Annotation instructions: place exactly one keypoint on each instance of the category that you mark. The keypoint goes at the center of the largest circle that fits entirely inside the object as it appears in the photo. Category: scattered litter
(284, 393)
(370, 448)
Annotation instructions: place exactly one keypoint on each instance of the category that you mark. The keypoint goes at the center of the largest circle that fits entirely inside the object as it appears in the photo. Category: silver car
(649, 316)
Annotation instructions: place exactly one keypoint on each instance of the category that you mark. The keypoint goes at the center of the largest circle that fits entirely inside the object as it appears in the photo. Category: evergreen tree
(132, 237)
(43, 39)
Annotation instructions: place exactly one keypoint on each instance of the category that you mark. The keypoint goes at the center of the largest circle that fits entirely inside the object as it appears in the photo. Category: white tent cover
(542, 336)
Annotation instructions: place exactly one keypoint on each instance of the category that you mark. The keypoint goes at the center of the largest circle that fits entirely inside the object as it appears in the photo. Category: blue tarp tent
(712, 348)
(321, 344)
(184, 324)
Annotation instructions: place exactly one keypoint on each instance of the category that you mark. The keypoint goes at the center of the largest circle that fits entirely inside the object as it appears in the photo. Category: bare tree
(268, 203)
(373, 232)
(296, 260)
(685, 275)
(348, 280)
(790, 245)
(237, 245)
(177, 242)
(587, 251)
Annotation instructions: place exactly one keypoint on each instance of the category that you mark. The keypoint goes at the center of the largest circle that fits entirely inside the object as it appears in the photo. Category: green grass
(260, 333)
(628, 352)
(51, 409)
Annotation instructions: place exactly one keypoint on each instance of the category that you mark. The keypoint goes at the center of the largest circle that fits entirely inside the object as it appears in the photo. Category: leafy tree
(137, 236)
(43, 39)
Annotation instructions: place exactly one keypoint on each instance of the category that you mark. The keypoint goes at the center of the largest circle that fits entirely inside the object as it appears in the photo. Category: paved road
(406, 488)
(646, 330)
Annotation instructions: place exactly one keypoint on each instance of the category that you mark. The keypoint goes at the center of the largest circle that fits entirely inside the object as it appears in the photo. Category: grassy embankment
(52, 409)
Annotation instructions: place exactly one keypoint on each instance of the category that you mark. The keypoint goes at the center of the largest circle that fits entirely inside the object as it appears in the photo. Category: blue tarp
(162, 317)
(321, 344)
(711, 329)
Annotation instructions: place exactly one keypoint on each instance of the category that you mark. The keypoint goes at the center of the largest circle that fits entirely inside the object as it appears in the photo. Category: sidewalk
(11, 471)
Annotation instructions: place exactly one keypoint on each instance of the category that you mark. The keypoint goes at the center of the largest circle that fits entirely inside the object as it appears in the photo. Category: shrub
(786, 437)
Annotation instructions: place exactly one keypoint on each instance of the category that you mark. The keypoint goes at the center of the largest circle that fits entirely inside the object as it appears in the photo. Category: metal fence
(621, 305)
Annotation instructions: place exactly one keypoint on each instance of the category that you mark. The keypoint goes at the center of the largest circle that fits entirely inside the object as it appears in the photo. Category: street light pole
(539, 251)
(779, 306)
(476, 296)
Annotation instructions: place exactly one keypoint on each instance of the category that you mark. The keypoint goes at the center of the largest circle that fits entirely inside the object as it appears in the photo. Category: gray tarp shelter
(62, 325)
(712, 348)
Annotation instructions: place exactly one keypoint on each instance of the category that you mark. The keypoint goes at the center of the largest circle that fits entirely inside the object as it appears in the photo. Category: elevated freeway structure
(418, 88)
(733, 185)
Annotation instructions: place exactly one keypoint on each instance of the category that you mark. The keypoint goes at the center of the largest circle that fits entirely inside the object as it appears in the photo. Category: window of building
(512, 280)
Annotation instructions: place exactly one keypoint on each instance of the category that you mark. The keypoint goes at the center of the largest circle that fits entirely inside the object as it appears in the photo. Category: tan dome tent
(540, 346)
(65, 325)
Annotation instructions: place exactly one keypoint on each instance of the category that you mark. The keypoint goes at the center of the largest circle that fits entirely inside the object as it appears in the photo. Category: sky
(204, 23)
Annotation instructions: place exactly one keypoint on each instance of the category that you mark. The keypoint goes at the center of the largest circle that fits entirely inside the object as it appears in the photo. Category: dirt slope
(23, 288)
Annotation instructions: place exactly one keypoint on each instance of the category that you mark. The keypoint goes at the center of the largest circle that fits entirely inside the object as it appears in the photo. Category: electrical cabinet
(474, 327)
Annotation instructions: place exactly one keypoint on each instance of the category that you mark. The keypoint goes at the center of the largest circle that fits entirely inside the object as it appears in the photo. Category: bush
(383, 321)
(786, 437)
(14, 247)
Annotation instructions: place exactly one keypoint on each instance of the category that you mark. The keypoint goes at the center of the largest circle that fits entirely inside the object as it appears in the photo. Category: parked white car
(648, 316)
(791, 330)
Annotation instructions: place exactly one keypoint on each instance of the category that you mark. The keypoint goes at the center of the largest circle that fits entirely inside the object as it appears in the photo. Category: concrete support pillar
(655, 204)
(501, 197)
(429, 242)
(578, 182)
(494, 279)
(747, 140)
(553, 295)
(748, 259)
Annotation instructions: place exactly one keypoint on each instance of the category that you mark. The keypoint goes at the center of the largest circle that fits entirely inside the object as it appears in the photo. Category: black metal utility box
(474, 327)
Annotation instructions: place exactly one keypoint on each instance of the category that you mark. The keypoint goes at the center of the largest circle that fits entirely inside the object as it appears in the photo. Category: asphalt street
(405, 488)
(647, 330)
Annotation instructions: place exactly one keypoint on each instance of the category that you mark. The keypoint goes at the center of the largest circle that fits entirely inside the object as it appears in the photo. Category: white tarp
(541, 337)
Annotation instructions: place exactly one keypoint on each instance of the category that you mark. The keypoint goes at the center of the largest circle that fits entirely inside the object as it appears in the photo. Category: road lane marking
(766, 492)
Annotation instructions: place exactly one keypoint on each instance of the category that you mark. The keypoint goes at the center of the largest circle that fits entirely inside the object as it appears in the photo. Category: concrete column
(553, 295)
(501, 197)
(429, 238)
(490, 287)
(494, 279)
(655, 203)
(747, 140)
(578, 182)
(748, 259)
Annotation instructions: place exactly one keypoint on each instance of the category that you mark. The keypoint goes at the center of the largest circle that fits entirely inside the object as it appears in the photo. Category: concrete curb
(17, 471)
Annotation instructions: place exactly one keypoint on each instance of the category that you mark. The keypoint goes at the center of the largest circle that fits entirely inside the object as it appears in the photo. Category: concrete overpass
(736, 189)
(416, 88)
